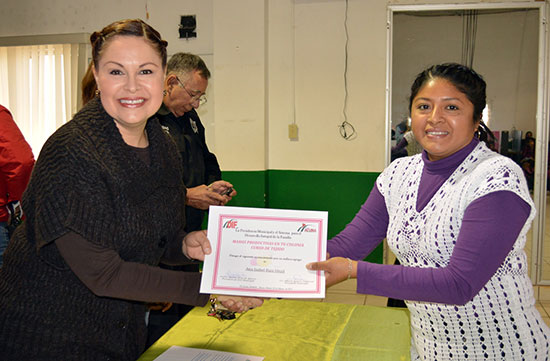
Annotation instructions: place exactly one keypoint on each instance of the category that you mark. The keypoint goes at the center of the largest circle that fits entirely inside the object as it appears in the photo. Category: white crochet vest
(501, 322)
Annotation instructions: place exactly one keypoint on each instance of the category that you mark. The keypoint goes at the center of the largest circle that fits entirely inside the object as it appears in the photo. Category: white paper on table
(178, 353)
(263, 252)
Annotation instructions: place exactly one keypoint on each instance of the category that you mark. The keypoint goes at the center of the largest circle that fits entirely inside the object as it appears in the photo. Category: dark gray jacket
(88, 181)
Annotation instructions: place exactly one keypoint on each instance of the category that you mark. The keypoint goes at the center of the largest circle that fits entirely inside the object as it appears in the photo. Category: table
(286, 330)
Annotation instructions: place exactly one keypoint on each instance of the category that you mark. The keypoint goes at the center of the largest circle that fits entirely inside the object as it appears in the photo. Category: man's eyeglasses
(194, 96)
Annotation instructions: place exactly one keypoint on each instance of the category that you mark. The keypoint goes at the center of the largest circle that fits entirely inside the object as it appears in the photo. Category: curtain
(38, 84)
(469, 31)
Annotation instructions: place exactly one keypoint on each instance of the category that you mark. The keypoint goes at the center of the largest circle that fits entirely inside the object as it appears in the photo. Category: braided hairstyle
(128, 27)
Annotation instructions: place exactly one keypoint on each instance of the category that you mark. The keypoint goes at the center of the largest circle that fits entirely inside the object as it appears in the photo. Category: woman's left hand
(239, 303)
(336, 269)
(196, 245)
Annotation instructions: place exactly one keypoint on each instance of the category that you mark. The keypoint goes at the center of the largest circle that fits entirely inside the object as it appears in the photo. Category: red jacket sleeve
(16, 161)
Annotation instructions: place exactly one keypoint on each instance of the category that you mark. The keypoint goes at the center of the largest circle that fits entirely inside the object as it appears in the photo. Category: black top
(200, 166)
(87, 180)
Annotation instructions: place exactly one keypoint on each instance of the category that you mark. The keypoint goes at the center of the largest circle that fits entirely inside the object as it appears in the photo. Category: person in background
(178, 117)
(528, 135)
(16, 162)
(401, 129)
(527, 159)
(184, 88)
(399, 149)
(104, 207)
(528, 146)
(407, 146)
(456, 216)
(528, 167)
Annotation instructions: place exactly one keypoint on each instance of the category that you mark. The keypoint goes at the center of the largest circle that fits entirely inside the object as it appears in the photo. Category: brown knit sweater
(88, 181)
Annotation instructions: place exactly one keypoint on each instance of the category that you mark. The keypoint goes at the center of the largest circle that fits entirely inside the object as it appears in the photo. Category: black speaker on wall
(187, 26)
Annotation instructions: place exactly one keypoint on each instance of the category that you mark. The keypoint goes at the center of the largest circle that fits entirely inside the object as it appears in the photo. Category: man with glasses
(184, 91)
(185, 86)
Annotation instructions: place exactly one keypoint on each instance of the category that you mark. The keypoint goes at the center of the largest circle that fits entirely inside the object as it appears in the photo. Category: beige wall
(274, 62)
(239, 69)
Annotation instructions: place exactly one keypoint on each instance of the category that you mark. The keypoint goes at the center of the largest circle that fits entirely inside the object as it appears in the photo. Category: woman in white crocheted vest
(456, 216)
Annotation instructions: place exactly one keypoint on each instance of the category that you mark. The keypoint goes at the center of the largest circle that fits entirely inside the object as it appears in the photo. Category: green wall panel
(250, 187)
(339, 193)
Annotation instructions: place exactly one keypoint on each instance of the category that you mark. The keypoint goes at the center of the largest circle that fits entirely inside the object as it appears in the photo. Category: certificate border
(270, 218)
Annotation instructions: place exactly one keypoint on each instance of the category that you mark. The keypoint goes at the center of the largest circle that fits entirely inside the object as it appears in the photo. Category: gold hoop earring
(164, 92)
(97, 92)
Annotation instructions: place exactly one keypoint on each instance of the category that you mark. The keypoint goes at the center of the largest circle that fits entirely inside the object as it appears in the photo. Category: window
(40, 86)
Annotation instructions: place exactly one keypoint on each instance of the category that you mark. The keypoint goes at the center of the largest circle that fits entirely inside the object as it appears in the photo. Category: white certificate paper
(263, 252)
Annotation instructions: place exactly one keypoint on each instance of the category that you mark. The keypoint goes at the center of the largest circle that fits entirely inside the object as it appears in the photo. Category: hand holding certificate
(263, 252)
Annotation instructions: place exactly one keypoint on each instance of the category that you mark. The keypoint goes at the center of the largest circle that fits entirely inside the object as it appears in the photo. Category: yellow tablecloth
(286, 330)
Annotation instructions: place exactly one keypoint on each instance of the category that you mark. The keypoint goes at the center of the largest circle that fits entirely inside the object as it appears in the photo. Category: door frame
(542, 115)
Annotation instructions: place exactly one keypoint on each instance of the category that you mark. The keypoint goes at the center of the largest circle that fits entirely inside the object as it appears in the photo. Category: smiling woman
(456, 217)
(89, 249)
(444, 118)
(129, 73)
(129, 76)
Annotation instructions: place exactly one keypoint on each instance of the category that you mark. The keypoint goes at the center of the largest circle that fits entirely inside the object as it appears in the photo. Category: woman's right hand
(336, 269)
(196, 245)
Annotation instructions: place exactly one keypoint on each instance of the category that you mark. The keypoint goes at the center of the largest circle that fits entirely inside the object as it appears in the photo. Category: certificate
(263, 252)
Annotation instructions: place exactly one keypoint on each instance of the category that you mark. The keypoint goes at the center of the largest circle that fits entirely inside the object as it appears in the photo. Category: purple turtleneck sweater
(490, 226)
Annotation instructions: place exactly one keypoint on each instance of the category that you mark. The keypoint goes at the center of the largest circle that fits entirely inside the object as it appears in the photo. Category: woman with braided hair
(104, 206)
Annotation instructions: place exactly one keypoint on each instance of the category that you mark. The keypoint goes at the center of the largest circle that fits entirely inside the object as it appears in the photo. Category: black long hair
(467, 81)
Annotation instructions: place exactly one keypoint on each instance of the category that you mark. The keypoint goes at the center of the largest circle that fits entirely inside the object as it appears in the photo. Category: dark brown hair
(88, 85)
(128, 27)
